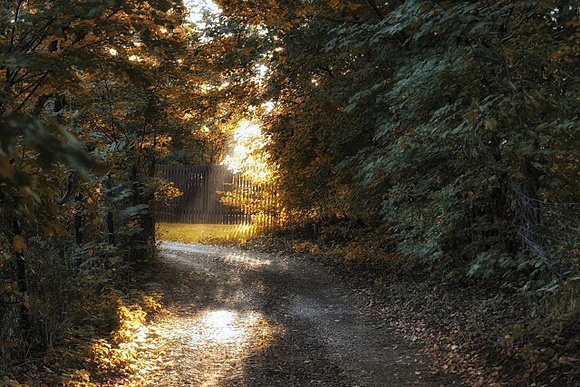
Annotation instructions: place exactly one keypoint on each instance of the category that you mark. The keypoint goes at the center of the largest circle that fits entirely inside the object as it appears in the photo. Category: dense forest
(93, 95)
(433, 141)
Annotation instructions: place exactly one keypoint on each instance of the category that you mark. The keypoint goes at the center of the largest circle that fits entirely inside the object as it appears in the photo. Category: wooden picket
(202, 189)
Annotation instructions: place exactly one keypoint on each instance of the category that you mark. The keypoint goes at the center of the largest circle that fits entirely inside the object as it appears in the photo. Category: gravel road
(242, 318)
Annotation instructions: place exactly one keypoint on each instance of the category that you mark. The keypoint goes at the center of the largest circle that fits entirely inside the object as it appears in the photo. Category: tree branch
(36, 84)
(325, 69)
(376, 9)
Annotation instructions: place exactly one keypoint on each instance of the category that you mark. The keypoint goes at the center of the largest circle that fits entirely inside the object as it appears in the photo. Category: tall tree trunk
(78, 220)
(21, 278)
(110, 220)
(140, 249)
(528, 220)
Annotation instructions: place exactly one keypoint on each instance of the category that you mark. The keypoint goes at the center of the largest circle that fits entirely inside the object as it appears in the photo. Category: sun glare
(247, 131)
(268, 106)
(261, 71)
(200, 11)
(245, 154)
(221, 326)
(212, 342)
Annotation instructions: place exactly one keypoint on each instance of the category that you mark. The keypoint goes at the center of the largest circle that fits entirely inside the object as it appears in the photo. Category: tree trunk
(78, 220)
(529, 218)
(21, 279)
(109, 218)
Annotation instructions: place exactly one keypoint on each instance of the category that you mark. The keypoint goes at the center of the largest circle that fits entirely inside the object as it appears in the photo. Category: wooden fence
(202, 201)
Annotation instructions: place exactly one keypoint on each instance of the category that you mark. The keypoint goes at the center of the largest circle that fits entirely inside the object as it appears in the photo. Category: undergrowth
(93, 340)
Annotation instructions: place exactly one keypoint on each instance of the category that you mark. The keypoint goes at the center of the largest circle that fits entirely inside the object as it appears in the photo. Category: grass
(200, 233)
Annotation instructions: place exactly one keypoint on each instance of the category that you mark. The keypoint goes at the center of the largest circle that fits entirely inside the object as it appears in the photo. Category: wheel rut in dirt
(243, 318)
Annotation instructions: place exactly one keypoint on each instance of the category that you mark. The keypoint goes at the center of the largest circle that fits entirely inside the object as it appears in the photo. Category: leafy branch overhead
(91, 95)
(454, 125)
(437, 139)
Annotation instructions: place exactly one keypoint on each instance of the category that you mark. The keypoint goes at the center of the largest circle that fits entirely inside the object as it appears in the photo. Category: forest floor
(235, 317)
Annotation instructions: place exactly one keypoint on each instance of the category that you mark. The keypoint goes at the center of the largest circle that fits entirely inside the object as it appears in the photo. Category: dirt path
(239, 318)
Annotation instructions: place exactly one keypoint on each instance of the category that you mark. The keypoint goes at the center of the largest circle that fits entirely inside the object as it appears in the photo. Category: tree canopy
(439, 136)
(91, 95)
(450, 129)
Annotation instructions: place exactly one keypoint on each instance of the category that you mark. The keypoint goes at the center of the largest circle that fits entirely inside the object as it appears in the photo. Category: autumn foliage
(88, 105)
(438, 141)
(433, 141)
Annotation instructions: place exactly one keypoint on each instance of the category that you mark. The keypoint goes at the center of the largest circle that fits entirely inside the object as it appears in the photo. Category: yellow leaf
(90, 38)
(491, 124)
(55, 229)
(270, 21)
(471, 115)
(334, 3)
(5, 167)
(18, 243)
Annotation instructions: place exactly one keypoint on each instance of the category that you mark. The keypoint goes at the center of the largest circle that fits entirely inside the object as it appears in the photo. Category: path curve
(242, 318)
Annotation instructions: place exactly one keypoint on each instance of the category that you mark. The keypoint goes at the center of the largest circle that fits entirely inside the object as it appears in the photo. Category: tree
(85, 112)
(448, 127)
(463, 148)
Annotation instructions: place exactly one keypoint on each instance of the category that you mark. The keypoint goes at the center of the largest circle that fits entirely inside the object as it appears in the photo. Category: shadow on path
(240, 318)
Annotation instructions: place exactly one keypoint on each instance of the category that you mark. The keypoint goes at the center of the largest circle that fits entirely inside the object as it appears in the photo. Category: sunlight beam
(202, 11)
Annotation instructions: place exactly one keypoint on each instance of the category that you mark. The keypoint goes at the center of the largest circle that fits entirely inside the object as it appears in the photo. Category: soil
(241, 318)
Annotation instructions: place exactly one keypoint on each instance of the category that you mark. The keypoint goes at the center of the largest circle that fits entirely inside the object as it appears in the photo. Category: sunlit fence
(211, 194)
